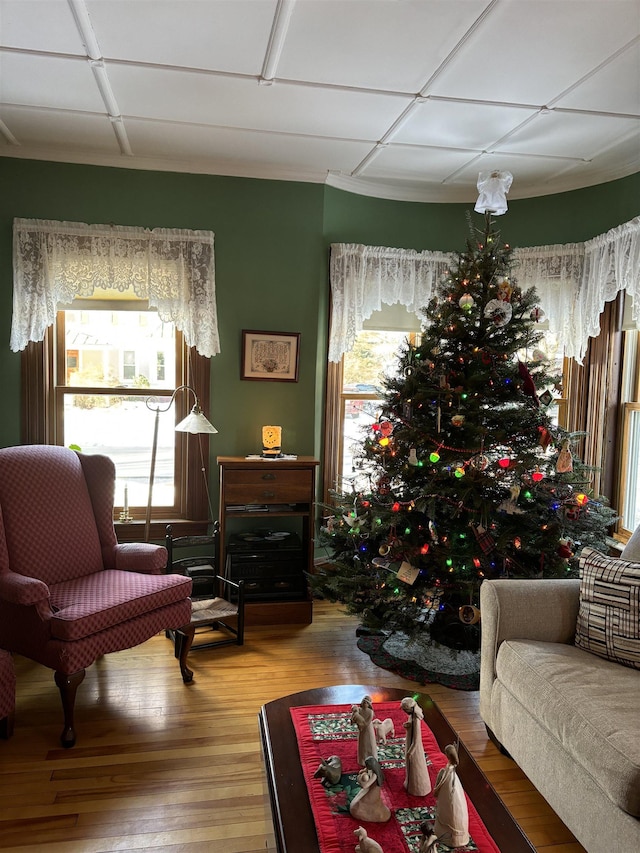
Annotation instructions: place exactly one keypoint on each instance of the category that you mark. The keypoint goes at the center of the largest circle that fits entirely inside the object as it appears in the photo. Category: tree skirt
(422, 660)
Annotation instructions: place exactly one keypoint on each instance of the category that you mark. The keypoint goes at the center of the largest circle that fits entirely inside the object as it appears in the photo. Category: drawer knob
(268, 476)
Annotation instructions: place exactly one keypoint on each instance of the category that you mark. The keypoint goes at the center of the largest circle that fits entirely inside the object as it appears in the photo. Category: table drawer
(272, 486)
(267, 493)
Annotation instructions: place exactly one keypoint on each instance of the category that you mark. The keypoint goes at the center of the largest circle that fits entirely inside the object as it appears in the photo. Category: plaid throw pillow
(609, 616)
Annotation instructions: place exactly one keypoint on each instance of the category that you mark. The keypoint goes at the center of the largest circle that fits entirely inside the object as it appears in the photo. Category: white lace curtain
(573, 282)
(56, 262)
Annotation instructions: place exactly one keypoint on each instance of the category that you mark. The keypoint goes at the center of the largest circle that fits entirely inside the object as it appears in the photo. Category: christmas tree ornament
(457, 420)
(386, 428)
(469, 614)
(384, 485)
(434, 457)
(546, 398)
(498, 311)
(564, 463)
(413, 458)
(466, 302)
(539, 355)
(479, 462)
(537, 476)
(528, 385)
(493, 187)
(484, 538)
(582, 499)
(504, 291)
(537, 315)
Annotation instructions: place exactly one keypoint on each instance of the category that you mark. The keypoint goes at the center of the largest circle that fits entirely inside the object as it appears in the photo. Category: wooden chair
(217, 602)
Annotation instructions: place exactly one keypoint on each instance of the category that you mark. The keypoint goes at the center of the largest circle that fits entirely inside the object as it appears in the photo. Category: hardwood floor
(161, 766)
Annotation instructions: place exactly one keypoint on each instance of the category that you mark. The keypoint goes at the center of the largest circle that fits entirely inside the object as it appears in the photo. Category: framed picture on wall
(270, 356)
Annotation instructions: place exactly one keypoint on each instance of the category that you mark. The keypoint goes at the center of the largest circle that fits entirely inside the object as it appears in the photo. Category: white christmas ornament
(466, 302)
(493, 188)
(500, 312)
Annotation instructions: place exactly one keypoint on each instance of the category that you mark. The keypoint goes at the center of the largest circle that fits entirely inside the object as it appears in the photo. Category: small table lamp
(272, 442)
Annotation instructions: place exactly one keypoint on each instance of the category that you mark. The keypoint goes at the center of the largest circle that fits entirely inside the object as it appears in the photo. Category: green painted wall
(272, 241)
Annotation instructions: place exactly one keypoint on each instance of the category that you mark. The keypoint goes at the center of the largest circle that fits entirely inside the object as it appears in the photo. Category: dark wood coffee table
(294, 828)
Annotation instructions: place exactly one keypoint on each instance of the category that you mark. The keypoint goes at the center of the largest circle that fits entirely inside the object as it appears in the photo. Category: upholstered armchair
(69, 592)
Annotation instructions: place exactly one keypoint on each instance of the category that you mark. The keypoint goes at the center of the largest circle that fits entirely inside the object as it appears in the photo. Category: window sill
(133, 531)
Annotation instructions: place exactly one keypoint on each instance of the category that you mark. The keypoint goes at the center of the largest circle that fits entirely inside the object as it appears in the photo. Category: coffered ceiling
(406, 99)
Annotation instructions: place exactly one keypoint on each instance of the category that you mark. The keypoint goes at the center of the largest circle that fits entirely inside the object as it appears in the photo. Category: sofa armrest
(141, 557)
(545, 610)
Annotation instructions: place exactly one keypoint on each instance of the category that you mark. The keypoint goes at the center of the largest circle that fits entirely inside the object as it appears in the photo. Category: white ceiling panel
(405, 99)
(583, 135)
(76, 132)
(46, 25)
(271, 152)
(225, 35)
(613, 88)
(373, 43)
(48, 81)
(471, 125)
(240, 102)
(530, 51)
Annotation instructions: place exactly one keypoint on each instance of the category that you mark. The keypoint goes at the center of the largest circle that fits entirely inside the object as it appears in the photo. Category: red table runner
(325, 730)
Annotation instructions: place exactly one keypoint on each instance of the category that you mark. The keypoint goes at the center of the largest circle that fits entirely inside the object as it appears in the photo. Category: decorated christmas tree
(464, 474)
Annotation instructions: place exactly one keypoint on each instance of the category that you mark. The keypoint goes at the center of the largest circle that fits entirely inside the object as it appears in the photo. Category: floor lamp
(195, 423)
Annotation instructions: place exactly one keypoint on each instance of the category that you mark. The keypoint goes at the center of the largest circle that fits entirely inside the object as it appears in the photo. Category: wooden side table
(265, 490)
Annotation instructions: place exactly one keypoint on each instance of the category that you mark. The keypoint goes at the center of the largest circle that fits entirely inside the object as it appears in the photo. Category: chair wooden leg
(68, 685)
(186, 635)
(6, 725)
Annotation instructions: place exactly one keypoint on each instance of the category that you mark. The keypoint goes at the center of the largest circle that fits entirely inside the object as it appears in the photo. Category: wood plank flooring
(160, 766)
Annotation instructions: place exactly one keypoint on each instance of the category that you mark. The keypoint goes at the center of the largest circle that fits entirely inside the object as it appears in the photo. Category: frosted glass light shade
(196, 423)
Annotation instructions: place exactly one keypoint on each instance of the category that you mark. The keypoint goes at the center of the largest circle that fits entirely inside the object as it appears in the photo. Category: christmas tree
(466, 475)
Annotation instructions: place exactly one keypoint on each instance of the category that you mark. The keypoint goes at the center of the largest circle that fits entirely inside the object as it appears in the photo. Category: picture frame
(270, 356)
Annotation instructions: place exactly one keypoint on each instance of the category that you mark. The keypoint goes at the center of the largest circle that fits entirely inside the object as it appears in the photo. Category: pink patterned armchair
(69, 592)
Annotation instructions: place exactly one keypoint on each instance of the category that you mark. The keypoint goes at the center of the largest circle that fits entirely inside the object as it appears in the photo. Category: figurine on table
(366, 844)
(367, 804)
(416, 781)
(362, 716)
(429, 843)
(452, 814)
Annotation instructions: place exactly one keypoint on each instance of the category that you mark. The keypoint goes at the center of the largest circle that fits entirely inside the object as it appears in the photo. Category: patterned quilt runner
(323, 731)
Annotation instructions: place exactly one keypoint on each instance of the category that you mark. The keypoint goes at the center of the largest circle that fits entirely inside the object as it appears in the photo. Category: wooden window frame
(39, 425)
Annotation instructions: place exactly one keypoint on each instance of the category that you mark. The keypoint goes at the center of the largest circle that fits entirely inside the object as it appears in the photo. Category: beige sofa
(570, 719)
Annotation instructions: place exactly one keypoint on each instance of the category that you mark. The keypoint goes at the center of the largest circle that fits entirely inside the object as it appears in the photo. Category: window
(93, 392)
(629, 466)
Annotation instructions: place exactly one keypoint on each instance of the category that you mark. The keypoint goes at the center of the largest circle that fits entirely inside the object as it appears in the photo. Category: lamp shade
(195, 423)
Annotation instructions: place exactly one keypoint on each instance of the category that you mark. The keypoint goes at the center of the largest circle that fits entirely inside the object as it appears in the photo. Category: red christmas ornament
(537, 476)
(504, 462)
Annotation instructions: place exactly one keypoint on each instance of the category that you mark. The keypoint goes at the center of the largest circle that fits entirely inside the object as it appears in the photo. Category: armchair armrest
(25, 591)
(545, 610)
(141, 557)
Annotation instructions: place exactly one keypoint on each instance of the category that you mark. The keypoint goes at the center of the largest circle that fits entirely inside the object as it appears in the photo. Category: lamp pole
(195, 423)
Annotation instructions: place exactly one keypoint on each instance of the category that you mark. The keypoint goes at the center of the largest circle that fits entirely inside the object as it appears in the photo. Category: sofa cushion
(588, 705)
(87, 605)
(609, 616)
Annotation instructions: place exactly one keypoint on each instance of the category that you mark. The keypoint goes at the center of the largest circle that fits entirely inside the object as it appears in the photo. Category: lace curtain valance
(573, 282)
(363, 278)
(56, 262)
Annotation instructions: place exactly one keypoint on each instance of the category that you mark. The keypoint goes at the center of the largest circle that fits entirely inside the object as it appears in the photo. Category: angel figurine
(416, 780)
(452, 814)
(362, 716)
(493, 188)
(367, 804)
